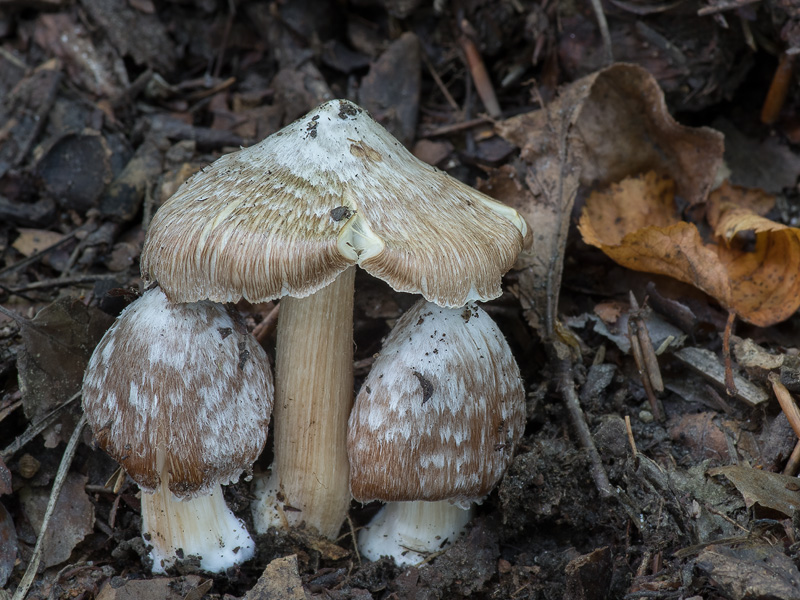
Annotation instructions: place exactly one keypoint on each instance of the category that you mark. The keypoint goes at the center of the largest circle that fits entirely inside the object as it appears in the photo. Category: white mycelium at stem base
(408, 532)
(203, 526)
(180, 396)
(437, 419)
(289, 215)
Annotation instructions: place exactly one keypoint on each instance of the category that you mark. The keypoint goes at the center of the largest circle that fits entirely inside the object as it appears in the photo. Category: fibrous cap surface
(179, 389)
(330, 190)
(441, 411)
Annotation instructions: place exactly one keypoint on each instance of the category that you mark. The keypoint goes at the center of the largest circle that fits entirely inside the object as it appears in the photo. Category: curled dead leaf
(751, 265)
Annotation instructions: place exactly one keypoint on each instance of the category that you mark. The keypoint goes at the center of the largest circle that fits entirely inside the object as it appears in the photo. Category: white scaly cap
(441, 411)
(433, 429)
(332, 189)
(180, 396)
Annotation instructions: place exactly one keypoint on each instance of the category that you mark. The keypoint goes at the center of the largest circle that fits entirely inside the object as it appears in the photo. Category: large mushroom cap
(441, 411)
(330, 190)
(179, 387)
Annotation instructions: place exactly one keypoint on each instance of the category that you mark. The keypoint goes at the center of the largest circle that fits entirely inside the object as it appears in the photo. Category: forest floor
(651, 147)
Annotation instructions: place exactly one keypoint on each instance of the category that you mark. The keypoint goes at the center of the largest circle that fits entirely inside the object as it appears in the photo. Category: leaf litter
(604, 499)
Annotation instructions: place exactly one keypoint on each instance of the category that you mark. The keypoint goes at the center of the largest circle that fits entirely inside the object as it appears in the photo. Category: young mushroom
(287, 218)
(180, 396)
(433, 428)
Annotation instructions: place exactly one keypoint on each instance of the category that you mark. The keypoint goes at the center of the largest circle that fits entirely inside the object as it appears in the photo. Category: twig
(778, 90)
(788, 405)
(478, 71)
(351, 534)
(58, 483)
(9, 409)
(13, 59)
(631, 440)
(608, 54)
(37, 255)
(66, 281)
(225, 35)
(793, 463)
(723, 6)
(35, 429)
(578, 419)
(730, 383)
(454, 127)
(645, 357)
(440, 84)
(263, 330)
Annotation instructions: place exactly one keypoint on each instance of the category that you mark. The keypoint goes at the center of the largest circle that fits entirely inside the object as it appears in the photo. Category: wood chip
(706, 363)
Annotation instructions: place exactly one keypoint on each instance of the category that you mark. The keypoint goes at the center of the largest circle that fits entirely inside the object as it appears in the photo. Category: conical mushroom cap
(332, 189)
(441, 411)
(182, 389)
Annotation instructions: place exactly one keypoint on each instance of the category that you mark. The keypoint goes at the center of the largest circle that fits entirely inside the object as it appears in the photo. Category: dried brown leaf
(57, 346)
(8, 545)
(73, 514)
(31, 241)
(769, 490)
(632, 223)
(622, 121)
(635, 223)
(765, 275)
(751, 572)
(280, 579)
(601, 128)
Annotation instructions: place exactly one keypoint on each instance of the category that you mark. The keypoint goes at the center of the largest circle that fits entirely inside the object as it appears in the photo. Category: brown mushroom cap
(441, 411)
(179, 387)
(332, 189)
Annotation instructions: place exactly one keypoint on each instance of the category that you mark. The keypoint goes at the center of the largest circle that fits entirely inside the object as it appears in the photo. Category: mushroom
(433, 428)
(180, 396)
(287, 217)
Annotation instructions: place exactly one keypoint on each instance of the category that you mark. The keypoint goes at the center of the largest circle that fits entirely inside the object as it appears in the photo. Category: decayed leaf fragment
(635, 222)
(600, 129)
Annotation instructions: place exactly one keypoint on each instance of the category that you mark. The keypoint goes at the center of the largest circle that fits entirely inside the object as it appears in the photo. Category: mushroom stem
(203, 526)
(313, 398)
(409, 531)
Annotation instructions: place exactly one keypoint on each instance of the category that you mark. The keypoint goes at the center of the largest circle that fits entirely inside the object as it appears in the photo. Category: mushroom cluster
(433, 428)
(180, 395)
(287, 218)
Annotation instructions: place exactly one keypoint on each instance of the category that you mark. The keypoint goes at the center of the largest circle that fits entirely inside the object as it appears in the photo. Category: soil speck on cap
(347, 110)
(244, 355)
(341, 212)
(425, 384)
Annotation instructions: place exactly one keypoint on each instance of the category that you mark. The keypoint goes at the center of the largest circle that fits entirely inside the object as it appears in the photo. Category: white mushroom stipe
(180, 396)
(203, 527)
(409, 532)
